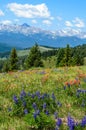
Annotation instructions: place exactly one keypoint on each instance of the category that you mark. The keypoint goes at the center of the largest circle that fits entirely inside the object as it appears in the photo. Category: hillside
(23, 91)
(21, 52)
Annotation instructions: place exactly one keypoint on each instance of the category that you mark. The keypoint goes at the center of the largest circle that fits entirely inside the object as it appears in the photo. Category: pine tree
(60, 56)
(34, 57)
(67, 56)
(13, 60)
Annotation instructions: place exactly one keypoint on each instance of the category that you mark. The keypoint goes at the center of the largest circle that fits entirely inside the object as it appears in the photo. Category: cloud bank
(29, 10)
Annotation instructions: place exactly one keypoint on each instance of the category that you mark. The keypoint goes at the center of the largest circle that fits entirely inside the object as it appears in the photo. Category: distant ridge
(25, 36)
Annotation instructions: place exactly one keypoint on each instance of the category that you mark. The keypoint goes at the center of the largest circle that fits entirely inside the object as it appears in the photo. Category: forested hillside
(51, 57)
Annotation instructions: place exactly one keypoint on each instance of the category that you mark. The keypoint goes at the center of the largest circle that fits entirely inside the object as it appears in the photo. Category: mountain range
(24, 36)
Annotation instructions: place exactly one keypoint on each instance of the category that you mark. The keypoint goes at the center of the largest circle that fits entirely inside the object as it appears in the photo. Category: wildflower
(53, 96)
(69, 85)
(15, 99)
(59, 122)
(47, 112)
(44, 105)
(25, 111)
(37, 93)
(42, 97)
(23, 93)
(38, 112)
(56, 128)
(71, 123)
(55, 115)
(83, 122)
(24, 103)
(34, 115)
(34, 105)
(64, 87)
(33, 95)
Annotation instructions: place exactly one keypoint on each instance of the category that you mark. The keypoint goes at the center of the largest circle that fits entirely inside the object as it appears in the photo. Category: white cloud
(51, 18)
(59, 18)
(47, 22)
(29, 10)
(68, 24)
(34, 21)
(6, 22)
(1, 13)
(78, 22)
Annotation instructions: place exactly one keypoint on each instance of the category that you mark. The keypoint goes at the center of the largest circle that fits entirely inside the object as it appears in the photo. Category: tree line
(64, 57)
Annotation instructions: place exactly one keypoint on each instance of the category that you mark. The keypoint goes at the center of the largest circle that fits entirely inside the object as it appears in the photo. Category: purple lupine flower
(71, 123)
(34, 115)
(45, 94)
(59, 122)
(47, 112)
(24, 103)
(44, 106)
(42, 96)
(34, 105)
(56, 128)
(69, 85)
(15, 99)
(79, 90)
(25, 111)
(37, 93)
(83, 104)
(83, 122)
(53, 96)
(33, 95)
(64, 87)
(55, 115)
(38, 112)
(23, 93)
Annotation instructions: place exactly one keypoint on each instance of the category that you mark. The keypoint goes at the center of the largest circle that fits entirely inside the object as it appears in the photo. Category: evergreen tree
(13, 60)
(67, 56)
(79, 59)
(60, 56)
(34, 57)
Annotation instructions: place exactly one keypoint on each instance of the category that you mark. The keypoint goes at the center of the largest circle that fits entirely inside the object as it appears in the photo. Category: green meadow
(66, 94)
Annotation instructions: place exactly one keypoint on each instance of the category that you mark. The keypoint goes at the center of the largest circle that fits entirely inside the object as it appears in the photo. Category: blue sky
(45, 14)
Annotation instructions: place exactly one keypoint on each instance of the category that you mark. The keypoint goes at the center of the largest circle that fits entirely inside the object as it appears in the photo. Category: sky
(45, 14)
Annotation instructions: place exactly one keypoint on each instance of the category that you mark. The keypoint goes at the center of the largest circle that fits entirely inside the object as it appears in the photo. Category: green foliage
(60, 56)
(50, 62)
(67, 55)
(6, 66)
(42, 122)
(34, 58)
(37, 109)
(13, 60)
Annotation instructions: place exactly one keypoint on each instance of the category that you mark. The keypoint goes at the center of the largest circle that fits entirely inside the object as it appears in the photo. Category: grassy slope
(32, 80)
(25, 52)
